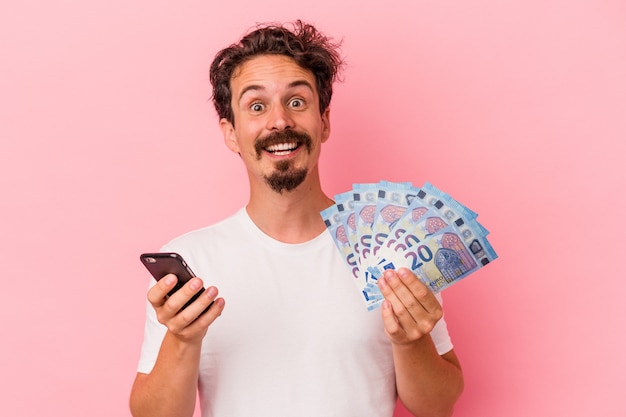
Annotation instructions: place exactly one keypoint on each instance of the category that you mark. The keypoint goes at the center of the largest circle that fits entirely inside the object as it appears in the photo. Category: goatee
(285, 178)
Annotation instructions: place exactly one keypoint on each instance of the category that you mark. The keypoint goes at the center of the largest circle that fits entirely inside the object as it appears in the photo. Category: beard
(285, 177)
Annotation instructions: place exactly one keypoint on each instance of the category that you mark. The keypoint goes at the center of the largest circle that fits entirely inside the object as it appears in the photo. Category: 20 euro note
(421, 237)
(347, 216)
(444, 201)
(408, 222)
(365, 198)
(429, 211)
(418, 223)
(336, 227)
(333, 220)
(393, 201)
(443, 258)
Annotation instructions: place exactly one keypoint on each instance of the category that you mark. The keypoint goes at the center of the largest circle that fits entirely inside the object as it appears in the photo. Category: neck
(290, 216)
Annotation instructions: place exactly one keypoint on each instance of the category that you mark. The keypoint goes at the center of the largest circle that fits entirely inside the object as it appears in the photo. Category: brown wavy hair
(309, 48)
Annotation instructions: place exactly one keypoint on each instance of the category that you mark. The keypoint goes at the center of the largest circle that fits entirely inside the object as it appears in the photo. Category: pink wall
(110, 147)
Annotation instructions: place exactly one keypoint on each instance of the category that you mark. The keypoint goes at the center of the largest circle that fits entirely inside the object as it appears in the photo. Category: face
(278, 129)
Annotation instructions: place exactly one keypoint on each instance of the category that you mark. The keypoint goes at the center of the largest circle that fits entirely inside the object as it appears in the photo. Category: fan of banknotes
(384, 225)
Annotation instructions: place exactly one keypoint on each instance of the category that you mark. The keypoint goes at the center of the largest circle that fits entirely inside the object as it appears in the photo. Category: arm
(170, 388)
(428, 384)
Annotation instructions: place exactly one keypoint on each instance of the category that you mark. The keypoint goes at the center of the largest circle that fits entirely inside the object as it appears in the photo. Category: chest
(301, 300)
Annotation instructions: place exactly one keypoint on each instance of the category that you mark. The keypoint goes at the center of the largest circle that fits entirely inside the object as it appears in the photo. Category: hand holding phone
(163, 263)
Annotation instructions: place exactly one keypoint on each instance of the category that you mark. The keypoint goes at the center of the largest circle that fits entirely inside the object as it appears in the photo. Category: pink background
(110, 147)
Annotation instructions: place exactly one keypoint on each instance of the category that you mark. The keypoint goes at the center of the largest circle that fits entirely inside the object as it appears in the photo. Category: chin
(286, 181)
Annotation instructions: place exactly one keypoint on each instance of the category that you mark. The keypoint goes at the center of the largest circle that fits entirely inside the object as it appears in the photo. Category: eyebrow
(257, 87)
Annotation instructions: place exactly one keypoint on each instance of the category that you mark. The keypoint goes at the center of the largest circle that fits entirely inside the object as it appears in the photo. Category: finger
(157, 295)
(213, 312)
(401, 296)
(400, 299)
(390, 321)
(194, 324)
(421, 292)
(197, 306)
(188, 325)
(408, 295)
(177, 301)
(427, 311)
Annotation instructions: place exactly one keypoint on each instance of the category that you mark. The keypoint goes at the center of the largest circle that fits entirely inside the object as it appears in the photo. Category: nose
(280, 118)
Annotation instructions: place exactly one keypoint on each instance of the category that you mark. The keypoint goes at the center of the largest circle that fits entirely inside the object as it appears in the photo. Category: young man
(295, 338)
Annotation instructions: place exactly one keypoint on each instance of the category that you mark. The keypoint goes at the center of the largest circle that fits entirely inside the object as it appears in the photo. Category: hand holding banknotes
(410, 309)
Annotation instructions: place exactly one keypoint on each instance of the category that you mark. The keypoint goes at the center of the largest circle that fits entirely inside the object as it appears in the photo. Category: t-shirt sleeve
(440, 335)
(154, 332)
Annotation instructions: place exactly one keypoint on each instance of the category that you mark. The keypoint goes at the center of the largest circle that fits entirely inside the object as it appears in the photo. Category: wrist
(424, 343)
(181, 347)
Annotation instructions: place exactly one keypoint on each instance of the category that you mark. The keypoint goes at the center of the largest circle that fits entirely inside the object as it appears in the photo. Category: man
(295, 339)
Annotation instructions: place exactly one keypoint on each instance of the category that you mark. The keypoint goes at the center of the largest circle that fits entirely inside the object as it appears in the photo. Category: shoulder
(224, 227)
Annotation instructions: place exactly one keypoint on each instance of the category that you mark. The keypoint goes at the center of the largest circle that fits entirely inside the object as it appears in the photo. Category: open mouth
(282, 143)
(281, 149)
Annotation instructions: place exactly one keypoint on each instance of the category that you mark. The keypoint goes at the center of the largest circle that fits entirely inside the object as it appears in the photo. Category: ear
(230, 137)
(326, 124)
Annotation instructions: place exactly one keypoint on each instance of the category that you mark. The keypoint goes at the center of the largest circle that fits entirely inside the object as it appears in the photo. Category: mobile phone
(163, 263)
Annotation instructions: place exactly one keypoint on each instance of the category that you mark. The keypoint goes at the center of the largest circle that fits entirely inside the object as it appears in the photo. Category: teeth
(281, 147)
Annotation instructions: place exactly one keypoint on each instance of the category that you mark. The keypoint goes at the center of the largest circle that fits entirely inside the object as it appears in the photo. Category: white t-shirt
(295, 337)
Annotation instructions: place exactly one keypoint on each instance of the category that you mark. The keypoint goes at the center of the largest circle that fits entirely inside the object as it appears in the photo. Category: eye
(296, 102)
(257, 107)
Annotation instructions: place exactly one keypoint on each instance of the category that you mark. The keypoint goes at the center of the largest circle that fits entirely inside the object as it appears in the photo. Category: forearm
(428, 384)
(170, 389)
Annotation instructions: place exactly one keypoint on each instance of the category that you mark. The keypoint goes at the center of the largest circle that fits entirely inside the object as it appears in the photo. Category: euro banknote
(376, 226)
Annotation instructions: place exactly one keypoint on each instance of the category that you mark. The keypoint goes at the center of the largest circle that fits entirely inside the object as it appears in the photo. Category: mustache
(283, 136)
